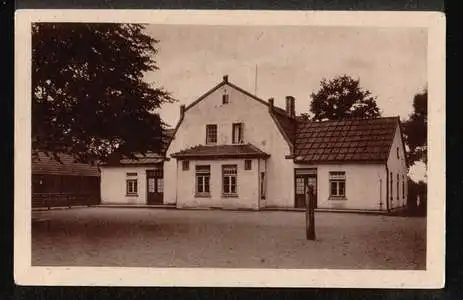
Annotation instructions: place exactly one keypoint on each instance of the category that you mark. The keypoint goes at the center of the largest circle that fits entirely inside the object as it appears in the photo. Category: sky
(290, 61)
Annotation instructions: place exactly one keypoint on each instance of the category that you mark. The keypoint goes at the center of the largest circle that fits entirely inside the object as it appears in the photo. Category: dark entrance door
(155, 186)
(304, 178)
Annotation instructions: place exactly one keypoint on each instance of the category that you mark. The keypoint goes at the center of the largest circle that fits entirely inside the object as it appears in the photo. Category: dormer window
(237, 134)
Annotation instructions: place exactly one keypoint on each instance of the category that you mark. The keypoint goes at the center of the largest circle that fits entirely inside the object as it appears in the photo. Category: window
(262, 185)
(300, 187)
(338, 184)
(211, 134)
(229, 180)
(203, 175)
(391, 182)
(237, 134)
(224, 98)
(185, 165)
(132, 187)
(403, 186)
(247, 164)
(131, 184)
(398, 181)
(160, 185)
(398, 156)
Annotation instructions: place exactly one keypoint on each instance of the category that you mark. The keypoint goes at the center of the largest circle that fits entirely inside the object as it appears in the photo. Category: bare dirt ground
(143, 237)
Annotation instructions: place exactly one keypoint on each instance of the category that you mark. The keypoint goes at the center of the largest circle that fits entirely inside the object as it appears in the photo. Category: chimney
(270, 104)
(290, 106)
(225, 78)
(182, 111)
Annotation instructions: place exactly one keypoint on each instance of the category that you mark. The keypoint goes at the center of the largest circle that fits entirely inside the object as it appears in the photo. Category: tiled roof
(221, 151)
(367, 140)
(48, 165)
(148, 158)
(140, 159)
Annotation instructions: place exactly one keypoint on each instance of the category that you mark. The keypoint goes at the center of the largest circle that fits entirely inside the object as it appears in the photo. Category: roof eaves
(206, 94)
(328, 162)
(211, 156)
(283, 133)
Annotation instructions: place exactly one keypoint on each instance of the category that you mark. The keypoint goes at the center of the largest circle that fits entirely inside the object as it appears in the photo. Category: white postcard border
(433, 277)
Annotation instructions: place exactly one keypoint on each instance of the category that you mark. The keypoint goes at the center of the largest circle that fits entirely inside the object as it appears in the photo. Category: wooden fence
(48, 200)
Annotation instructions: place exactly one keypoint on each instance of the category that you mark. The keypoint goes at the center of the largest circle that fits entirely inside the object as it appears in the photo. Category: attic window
(247, 164)
(185, 165)
(224, 98)
(398, 156)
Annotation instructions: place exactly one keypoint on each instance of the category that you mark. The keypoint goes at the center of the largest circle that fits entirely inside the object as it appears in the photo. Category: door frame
(306, 176)
(153, 170)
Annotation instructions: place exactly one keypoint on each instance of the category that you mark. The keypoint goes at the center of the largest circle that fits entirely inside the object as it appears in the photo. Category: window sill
(334, 198)
(230, 195)
(131, 195)
(202, 195)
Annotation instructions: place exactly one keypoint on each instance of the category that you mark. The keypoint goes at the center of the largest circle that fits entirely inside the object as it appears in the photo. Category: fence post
(309, 213)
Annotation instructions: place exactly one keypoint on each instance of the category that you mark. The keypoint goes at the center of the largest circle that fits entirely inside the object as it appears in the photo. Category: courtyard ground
(143, 237)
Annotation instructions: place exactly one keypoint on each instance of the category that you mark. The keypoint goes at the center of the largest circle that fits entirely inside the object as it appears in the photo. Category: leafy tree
(415, 129)
(89, 98)
(342, 98)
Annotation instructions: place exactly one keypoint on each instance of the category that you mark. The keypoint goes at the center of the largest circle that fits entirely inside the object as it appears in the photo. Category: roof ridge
(352, 119)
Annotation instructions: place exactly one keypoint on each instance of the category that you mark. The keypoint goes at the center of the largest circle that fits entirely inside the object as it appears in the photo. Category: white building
(231, 149)
(133, 181)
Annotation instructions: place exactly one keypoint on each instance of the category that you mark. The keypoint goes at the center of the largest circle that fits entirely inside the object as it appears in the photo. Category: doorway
(304, 178)
(155, 186)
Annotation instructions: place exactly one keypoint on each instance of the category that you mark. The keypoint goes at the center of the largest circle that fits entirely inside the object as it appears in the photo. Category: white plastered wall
(259, 129)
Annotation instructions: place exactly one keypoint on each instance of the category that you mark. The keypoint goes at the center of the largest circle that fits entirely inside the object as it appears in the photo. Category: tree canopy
(415, 129)
(89, 97)
(342, 98)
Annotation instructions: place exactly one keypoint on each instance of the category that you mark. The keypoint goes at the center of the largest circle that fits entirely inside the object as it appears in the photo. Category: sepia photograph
(231, 145)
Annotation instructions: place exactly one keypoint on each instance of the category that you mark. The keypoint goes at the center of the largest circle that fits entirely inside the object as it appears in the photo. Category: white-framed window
(211, 134)
(203, 176)
(337, 181)
(237, 133)
(229, 180)
(185, 165)
(132, 186)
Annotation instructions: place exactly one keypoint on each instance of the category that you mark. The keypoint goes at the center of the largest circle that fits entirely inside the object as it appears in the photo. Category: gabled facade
(231, 149)
(228, 150)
